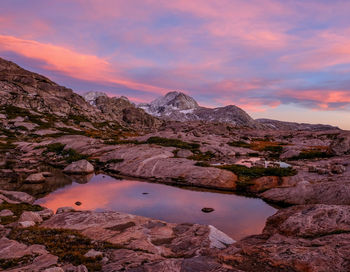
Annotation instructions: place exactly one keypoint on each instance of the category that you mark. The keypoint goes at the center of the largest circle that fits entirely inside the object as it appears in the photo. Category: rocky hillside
(30, 103)
(181, 107)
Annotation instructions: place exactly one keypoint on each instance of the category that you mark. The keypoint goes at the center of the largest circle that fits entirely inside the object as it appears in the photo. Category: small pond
(237, 216)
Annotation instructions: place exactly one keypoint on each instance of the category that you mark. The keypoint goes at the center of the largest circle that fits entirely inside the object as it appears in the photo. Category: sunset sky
(286, 60)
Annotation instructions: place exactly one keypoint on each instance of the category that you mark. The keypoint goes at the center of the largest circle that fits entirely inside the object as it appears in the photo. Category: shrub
(202, 164)
(247, 173)
(311, 154)
(172, 142)
(239, 144)
(199, 156)
(70, 155)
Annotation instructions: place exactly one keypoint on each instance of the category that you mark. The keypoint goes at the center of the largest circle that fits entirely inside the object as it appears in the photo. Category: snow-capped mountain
(169, 104)
(92, 96)
(181, 107)
(178, 106)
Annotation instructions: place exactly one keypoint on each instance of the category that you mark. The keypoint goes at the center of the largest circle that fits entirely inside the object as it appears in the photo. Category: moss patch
(7, 146)
(312, 154)
(239, 144)
(247, 173)
(13, 112)
(68, 245)
(172, 142)
(70, 155)
(17, 210)
(115, 161)
(199, 156)
(158, 141)
(11, 263)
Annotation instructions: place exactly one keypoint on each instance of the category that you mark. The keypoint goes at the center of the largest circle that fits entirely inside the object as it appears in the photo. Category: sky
(287, 60)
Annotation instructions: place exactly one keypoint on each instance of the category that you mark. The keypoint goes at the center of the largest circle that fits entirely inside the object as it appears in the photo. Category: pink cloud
(321, 98)
(322, 50)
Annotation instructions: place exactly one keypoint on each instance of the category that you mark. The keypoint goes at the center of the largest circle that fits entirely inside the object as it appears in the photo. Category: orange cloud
(250, 104)
(74, 64)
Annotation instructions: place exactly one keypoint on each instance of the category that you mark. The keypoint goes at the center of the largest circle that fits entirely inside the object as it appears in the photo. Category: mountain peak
(171, 102)
(181, 107)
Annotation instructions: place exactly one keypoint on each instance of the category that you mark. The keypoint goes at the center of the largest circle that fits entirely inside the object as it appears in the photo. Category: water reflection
(237, 216)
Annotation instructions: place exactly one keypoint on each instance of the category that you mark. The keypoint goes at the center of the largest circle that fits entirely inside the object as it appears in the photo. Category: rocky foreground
(50, 134)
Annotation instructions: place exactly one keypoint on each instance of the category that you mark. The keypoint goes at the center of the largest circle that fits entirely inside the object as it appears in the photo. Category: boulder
(35, 178)
(79, 167)
(333, 193)
(337, 168)
(46, 213)
(6, 213)
(81, 268)
(341, 145)
(26, 125)
(30, 216)
(218, 239)
(64, 210)
(264, 183)
(184, 153)
(16, 197)
(26, 224)
(10, 249)
(290, 153)
(93, 253)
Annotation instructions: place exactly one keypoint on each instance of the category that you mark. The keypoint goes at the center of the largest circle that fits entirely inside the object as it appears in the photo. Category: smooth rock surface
(79, 167)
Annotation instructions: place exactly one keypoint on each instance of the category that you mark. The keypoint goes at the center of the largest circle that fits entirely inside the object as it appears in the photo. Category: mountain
(181, 107)
(282, 125)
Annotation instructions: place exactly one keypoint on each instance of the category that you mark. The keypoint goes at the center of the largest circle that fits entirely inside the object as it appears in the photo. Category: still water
(235, 215)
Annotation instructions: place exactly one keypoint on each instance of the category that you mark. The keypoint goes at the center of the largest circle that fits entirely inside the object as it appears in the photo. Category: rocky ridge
(181, 107)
